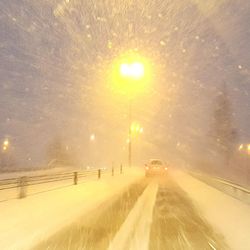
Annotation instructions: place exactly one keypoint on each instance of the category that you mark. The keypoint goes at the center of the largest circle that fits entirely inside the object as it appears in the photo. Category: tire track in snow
(94, 231)
(176, 223)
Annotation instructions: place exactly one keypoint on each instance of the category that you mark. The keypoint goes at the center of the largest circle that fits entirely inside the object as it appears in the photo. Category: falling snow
(55, 63)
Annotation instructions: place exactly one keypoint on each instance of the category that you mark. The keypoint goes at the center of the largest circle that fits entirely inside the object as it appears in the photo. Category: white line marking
(211, 246)
(135, 231)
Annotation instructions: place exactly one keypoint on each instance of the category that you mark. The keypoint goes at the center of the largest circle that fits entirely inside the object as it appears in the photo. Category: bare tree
(58, 152)
(223, 132)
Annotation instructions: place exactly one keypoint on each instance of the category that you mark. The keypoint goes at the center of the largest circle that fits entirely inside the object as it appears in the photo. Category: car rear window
(156, 162)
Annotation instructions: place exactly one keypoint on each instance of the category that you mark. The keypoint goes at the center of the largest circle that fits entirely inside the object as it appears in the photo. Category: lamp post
(130, 135)
(132, 72)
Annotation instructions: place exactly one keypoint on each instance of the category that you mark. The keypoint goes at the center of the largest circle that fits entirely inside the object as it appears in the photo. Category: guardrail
(233, 189)
(22, 183)
(232, 185)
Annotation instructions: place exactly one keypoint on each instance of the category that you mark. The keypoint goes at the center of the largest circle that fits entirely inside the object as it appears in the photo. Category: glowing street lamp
(5, 145)
(136, 128)
(6, 142)
(92, 137)
(133, 71)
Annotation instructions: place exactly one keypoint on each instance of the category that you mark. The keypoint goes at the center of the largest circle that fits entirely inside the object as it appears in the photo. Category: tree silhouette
(57, 152)
(223, 132)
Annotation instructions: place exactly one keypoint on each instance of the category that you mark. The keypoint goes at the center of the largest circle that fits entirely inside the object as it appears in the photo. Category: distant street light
(136, 128)
(5, 152)
(5, 145)
(141, 130)
(6, 142)
(92, 137)
(244, 150)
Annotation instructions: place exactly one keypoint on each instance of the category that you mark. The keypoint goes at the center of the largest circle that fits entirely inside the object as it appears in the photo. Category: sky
(57, 58)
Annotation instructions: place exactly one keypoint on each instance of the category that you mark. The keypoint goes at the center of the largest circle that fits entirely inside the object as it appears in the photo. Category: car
(155, 167)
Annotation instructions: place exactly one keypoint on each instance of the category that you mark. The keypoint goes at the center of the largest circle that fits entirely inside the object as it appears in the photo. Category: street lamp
(6, 142)
(244, 150)
(132, 72)
(5, 152)
(5, 145)
(241, 147)
(92, 137)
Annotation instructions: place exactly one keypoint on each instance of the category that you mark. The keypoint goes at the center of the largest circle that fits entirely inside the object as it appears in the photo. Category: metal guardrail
(232, 185)
(232, 189)
(22, 183)
(222, 181)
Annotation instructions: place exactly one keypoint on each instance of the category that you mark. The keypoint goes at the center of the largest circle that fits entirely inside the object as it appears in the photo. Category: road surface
(152, 214)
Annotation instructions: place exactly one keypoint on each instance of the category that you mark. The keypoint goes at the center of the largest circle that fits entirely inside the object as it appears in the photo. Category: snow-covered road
(127, 212)
(155, 214)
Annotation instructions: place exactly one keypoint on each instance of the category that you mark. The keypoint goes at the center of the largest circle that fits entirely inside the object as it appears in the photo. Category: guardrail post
(99, 173)
(121, 169)
(23, 187)
(75, 178)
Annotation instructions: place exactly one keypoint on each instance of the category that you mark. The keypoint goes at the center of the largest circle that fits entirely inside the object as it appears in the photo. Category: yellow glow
(136, 128)
(132, 127)
(6, 143)
(248, 149)
(4, 148)
(130, 74)
(125, 69)
(134, 70)
(92, 137)
(240, 147)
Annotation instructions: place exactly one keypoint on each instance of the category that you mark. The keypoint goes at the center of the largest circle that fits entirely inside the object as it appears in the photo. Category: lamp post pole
(130, 136)
(132, 71)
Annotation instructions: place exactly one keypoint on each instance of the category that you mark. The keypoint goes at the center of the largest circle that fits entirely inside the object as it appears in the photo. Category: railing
(63, 179)
(233, 189)
(232, 185)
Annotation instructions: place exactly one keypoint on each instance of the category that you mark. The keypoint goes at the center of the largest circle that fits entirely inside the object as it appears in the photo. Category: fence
(235, 190)
(47, 182)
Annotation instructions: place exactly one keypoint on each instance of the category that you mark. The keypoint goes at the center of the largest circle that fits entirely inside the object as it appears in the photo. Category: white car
(155, 167)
